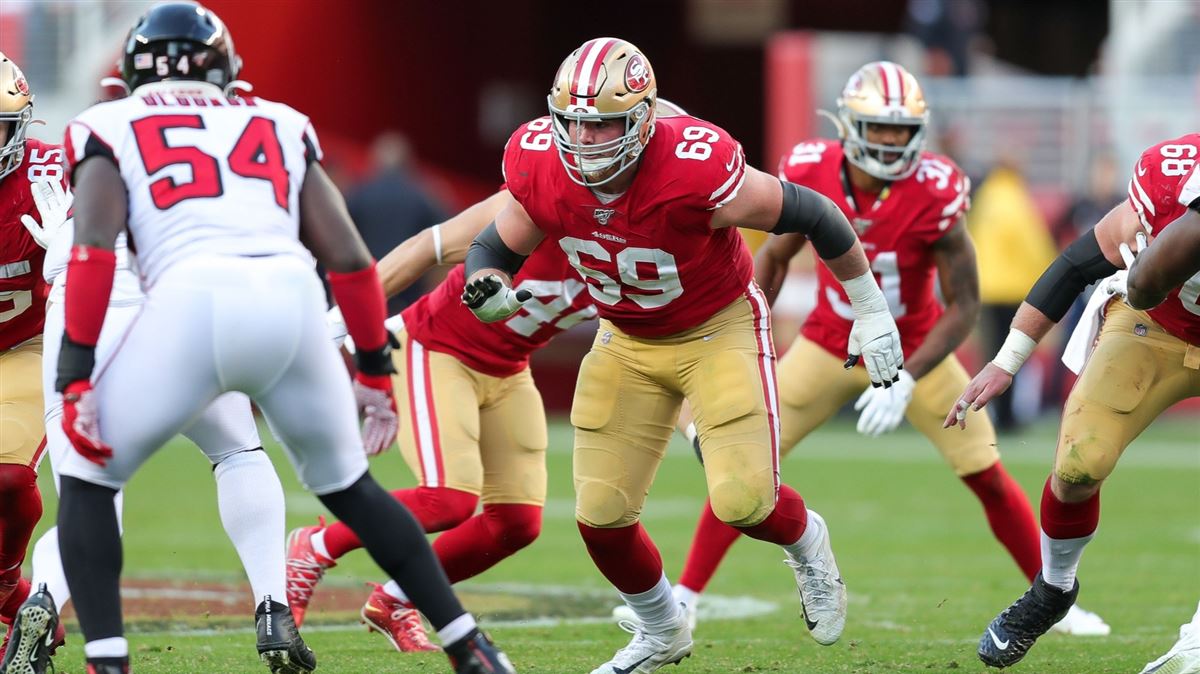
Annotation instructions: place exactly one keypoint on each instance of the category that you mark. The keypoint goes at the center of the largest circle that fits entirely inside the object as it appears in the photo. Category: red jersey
(897, 229)
(650, 260)
(441, 322)
(22, 289)
(1164, 184)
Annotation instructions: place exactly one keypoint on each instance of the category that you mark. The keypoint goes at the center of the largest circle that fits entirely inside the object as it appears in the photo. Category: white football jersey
(205, 174)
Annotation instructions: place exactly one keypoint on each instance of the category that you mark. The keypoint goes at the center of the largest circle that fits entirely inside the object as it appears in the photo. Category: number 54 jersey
(1165, 183)
(650, 260)
(190, 158)
(896, 228)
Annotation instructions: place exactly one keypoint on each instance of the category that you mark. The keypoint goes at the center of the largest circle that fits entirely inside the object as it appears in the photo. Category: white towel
(1083, 338)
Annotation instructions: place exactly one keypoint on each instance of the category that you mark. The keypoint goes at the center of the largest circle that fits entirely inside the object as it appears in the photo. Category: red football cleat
(396, 620)
(305, 568)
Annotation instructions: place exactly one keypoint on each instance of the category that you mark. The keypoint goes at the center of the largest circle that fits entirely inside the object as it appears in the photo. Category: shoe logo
(812, 624)
(630, 669)
(1002, 645)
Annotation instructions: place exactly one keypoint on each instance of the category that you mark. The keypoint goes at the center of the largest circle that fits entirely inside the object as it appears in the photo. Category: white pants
(211, 325)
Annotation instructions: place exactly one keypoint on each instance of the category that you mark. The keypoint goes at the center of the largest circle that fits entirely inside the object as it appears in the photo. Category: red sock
(436, 508)
(1069, 520)
(786, 522)
(10, 604)
(626, 556)
(710, 544)
(1009, 515)
(482, 541)
(21, 505)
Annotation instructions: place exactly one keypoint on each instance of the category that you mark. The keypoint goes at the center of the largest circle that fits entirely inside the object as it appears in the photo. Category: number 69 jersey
(22, 289)
(190, 157)
(1164, 184)
(896, 231)
(650, 260)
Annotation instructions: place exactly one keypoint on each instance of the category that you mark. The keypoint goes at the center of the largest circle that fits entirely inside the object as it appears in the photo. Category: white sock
(457, 629)
(810, 541)
(656, 607)
(392, 589)
(47, 562)
(1060, 560)
(318, 544)
(685, 594)
(250, 499)
(112, 647)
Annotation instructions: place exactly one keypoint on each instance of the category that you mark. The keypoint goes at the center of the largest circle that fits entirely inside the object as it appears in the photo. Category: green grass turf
(924, 573)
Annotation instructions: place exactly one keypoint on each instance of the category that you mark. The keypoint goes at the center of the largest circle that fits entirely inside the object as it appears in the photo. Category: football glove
(337, 326)
(490, 300)
(875, 340)
(883, 408)
(81, 422)
(53, 203)
(381, 423)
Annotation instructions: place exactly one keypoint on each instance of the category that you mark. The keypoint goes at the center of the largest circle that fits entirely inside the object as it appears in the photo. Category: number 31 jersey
(205, 174)
(896, 231)
(1165, 183)
(650, 260)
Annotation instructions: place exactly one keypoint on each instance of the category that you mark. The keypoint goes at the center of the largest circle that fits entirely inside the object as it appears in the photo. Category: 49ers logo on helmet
(637, 74)
(21, 85)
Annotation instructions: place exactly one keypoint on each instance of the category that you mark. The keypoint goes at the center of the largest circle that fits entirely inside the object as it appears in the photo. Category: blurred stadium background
(1062, 94)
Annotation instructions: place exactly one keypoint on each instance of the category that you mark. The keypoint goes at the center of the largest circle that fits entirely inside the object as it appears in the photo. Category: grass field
(924, 573)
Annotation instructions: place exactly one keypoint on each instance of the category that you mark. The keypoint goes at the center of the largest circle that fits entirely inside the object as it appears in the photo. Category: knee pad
(602, 505)
(741, 504)
(512, 525)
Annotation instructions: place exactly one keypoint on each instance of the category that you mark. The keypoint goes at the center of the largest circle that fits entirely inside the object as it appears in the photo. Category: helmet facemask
(598, 164)
(13, 151)
(873, 157)
(885, 93)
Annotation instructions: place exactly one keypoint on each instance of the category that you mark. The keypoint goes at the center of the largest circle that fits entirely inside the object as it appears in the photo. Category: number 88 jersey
(651, 262)
(1165, 183)
(204, 173)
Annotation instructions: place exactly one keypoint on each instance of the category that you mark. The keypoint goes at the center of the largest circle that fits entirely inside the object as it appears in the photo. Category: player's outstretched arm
(1093, 256)
(495, 256)
(1172, 259)
(100, 215)
(771, 205)
(958, 279)
(445, 243)
(326, 228)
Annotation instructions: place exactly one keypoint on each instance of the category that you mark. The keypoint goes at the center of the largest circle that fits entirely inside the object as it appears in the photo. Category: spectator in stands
(1014, 246)
(392, 206)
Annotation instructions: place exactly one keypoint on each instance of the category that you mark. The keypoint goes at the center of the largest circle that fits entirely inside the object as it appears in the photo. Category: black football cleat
(1010, 636)
(279, 643)
(33, 638)
(476, 654)
(108, 665)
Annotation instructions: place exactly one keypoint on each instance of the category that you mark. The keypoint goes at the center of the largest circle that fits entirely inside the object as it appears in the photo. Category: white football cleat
(648, 652)
(623, 614)
(822, 592)
(1080, 622)
(1184, 656)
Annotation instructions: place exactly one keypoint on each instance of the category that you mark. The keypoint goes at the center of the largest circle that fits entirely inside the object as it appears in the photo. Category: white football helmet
(882, 92)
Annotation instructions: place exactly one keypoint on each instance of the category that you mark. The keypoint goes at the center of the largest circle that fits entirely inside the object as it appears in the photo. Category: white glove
(883, 408)
(53, 202)
(1118, 283)
(875, 338)
(337, 326)
(490, 300)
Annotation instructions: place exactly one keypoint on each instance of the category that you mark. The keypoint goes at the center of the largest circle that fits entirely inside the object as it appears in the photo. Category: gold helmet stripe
(588, 67)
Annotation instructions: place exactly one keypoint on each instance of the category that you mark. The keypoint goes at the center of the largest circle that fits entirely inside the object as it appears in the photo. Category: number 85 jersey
(650, 260)
(205, 174)
(1166, 183)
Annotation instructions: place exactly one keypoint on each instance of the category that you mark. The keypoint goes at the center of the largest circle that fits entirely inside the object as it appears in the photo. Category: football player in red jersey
(908, 206)
(644, 208)
(1141, 363)
(33, 205)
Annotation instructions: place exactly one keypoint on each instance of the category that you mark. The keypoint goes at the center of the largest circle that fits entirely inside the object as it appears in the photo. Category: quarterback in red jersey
(644, 208)
(1141, 363)
(907, 205)
(33, 205)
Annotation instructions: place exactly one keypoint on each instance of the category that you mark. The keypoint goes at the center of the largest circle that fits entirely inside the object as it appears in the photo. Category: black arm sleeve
(1081, 264)
(488, 251)
(817, 218)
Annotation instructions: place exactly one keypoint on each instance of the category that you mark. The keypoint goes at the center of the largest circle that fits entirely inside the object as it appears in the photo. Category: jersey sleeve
(720, 171)
(86, 137)
(312, 146)
(1154, 186)
(1189, 189)
(949, 190)
(523, 149)
(800, 164)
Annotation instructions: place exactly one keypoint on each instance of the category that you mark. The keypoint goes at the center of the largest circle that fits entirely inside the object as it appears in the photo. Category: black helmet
(179, 41)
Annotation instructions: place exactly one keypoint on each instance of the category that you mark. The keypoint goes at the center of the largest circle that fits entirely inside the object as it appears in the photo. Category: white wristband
(1017, 347)
(865, 295)
(437, 242)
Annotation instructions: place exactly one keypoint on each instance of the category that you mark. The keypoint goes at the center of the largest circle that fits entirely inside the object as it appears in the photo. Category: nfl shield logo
(861, 225)
(603, 214)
